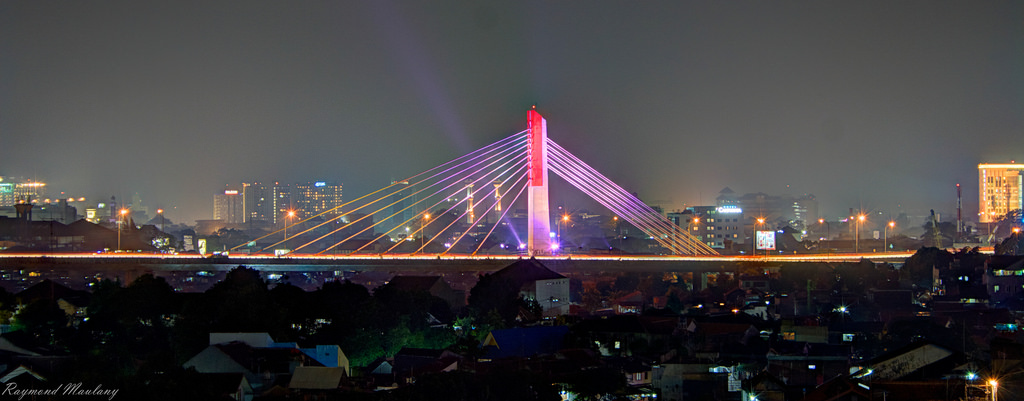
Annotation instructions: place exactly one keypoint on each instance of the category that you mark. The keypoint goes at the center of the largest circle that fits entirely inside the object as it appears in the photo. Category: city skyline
(869, 104)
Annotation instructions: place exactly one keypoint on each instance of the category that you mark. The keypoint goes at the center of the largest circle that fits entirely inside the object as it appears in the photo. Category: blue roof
(524, 341)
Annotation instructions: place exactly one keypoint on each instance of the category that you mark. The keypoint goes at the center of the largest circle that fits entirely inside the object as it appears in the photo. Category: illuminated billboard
(765, 240)
(729, 209)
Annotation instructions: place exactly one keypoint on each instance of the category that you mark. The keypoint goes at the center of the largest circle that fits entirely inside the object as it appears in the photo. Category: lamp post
(856, 246)
(120, 219)
(994, 386)
(288, 220)
(161, 213)
(616, 219)
(696, 220)
(828, 231)
(426, 216)
(565, 221)
(885, 241)
(760, 222)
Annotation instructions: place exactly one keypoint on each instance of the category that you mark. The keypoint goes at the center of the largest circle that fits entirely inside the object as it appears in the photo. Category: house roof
(840, 388)
(21, 370)
(635, 297)
(524, 341)
(53, 291)
(526, 270)
(222, 383)
(275, 360)
(316, 378)
(413, 283)
(1005, 262)
(714, 329)
(630, 324)
(420, 352)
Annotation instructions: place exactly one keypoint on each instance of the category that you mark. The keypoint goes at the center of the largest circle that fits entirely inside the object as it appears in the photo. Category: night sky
(882, 105)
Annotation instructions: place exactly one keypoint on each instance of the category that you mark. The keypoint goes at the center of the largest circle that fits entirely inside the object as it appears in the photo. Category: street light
(565, 221)
(828, 231)
(426, 216)
(885, 241)
(290, 214)
(161, 213)
(994, 384)
(860, 219)
(121, 213)
(616, 219)
(760, 222)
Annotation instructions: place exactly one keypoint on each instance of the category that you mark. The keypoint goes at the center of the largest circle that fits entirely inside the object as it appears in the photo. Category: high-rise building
(317, 197)
(258, 202)
(795, 211)
(228, 207)
(15, 190)
(999, 190)
(273, 203)
(402, 211)
(716, 226)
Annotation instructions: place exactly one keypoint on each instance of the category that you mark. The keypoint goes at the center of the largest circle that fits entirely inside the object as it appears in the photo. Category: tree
(919, 266)
(595, 384)
(239, 303)
(495, 293)
(1012, 245)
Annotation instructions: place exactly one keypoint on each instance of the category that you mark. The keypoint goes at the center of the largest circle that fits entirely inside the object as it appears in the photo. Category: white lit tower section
(496, 211)
(470, 216)
(538, 223)
(1000, 190)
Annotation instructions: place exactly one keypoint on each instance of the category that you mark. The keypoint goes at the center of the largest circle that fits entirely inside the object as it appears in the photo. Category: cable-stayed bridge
(466, 207)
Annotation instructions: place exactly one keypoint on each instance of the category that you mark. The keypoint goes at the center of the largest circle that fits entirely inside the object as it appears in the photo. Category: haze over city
(873, 105)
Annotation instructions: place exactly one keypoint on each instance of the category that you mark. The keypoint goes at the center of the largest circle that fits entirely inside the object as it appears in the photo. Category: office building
(999, 190)
(314, 198)
(259, 202)
(17, 190)
(228, 207)
(719, 227)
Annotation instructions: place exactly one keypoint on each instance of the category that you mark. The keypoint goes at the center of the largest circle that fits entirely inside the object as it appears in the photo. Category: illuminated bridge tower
(539, 224)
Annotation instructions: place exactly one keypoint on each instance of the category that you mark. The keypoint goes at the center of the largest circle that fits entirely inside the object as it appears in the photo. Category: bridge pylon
(539, 223)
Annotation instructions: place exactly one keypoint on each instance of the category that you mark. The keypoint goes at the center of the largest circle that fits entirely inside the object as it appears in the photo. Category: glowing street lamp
(860, 219)
(161, 213)
(288, 221)
(760, 222)
(426, 216)
(616, 219)
(994, 386)
(885, 241)
(565, 220)
(120, 218)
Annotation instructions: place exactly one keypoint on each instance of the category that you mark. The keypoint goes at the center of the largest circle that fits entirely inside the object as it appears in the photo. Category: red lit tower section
(539, 223)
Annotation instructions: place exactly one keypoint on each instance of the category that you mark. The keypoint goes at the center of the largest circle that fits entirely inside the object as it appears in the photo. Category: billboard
(765, 240)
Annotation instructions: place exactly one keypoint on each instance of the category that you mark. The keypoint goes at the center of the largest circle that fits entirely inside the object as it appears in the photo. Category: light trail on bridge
(292, 258)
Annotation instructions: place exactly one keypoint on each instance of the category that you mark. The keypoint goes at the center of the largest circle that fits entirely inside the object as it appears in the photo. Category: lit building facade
(271, 203)
(317, 197)
(228, 207)
(999, 190)
(797, 212)
(13, 191)
(716, 226)
(258, 202)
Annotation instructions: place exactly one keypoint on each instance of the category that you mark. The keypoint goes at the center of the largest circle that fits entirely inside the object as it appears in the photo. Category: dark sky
(867, 104)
